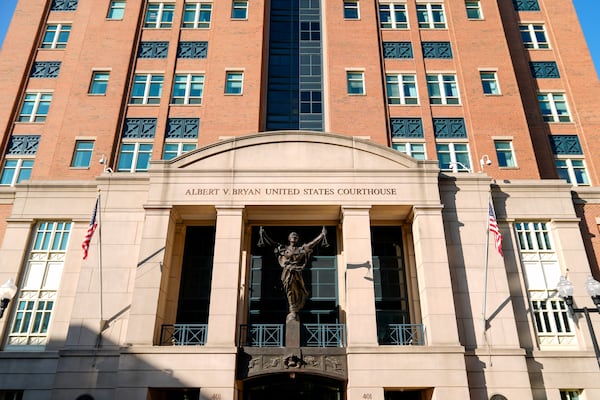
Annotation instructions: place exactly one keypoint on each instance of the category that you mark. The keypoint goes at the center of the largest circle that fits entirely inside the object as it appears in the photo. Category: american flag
(85, 245)
(493, 227)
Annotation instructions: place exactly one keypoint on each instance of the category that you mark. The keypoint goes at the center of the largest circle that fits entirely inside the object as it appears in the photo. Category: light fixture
(7, 292)
(485, 160)
(592, 286)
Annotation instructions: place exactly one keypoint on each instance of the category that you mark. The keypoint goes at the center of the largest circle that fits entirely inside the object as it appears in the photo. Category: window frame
(351, 9)
(394, 9)
(411, 150)
(82, 157)
(161, 22)
(504, 161)
(20, 172)
(474, 5)
(197, 22)
(429, 22)
(116, 10)
(532, 30)
(456, 156)
(149, 85)
(570, 172)
(41, 102)
(401, 86)
(62, 30)
(188, 98)
(556, 114)
(137, 154)
(490, 86)
(440, 83)
(239, 6)
(97, 82)
(355, 83)
(231, 80)
(182, 147)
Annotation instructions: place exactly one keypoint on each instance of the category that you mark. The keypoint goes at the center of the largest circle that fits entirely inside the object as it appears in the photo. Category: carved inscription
(283, 191)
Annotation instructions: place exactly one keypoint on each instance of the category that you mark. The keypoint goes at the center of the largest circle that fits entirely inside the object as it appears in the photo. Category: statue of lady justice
(292, 259)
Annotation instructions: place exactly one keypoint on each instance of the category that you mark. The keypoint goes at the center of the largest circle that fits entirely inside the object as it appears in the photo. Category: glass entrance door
(298, 387)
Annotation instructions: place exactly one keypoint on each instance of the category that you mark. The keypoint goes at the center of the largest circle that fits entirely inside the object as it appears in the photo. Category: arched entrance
(292, 386)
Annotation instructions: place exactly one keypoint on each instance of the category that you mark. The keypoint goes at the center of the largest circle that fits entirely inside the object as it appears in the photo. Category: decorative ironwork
(404, 335)
(183, 335)
(526, 5)
(139, 128)
(192, 50)
(544, 69)
(64, 5)
(153, 50)
(437, 50)
(407, 127)
(182, 128)
(23, 145)
(261, 335)
(45, 69)
(325, 335)
(449, 128)
(565, 145)
(397, 50)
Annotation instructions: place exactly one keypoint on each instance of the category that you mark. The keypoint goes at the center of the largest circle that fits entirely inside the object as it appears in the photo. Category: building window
(505, 153)
(534, 36)
(239, 10)
(393, 16)
(351, 10)
(11, 394)
(147, 89)
(56, 36)
(134, 156)
(99, 82)
(544, 69)
(473, 10)
(310, 31)
(570, 394)
(402, 89)
(175, 149)
(397, 50)
(234, 82)
(431, 16)
(311, 102)
(64, 5)
(35, 107)
(526, 5)
(436, 50)
(554, 107)
(454, 157)
(355, 82)
(16, 170)
(197, 15)
(45, 69)
(572, 170)
(116, 10)
(82, 156)
(415, 150)
(43, 272)
(192, 49)
(187, 89)
(159, 15)
(153, 50)
(489, 81)
(542, 272)
(406, 127)
(442, 89)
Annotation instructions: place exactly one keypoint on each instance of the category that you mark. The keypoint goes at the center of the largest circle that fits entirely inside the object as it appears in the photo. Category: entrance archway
(292, 386)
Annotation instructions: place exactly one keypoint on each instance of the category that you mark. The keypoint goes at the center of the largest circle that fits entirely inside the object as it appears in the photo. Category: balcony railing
(261, 335)
(325, 335)
(404, 335)
(183, 335)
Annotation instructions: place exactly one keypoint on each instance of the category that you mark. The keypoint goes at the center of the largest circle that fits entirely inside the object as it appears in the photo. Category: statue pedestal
(292, 333)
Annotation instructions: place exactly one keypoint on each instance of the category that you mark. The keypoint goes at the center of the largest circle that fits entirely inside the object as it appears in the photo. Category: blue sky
(587, 10)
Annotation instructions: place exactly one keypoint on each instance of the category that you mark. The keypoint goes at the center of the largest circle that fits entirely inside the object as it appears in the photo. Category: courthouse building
(385, 134)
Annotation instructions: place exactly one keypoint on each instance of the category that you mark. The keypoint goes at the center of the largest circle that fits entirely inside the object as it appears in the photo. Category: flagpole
(485, 271)
(102, 321)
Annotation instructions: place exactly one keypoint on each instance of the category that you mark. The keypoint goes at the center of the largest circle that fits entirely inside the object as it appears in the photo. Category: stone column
(360, 295)
(433, 276)
(224, 292)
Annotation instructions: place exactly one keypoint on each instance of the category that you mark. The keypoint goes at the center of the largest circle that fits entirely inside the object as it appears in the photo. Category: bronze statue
(292, 259)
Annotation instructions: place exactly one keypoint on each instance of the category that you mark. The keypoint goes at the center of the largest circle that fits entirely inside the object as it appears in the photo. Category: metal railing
(404, 335)
(183, 335)
(325, 335)
(261, 335)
